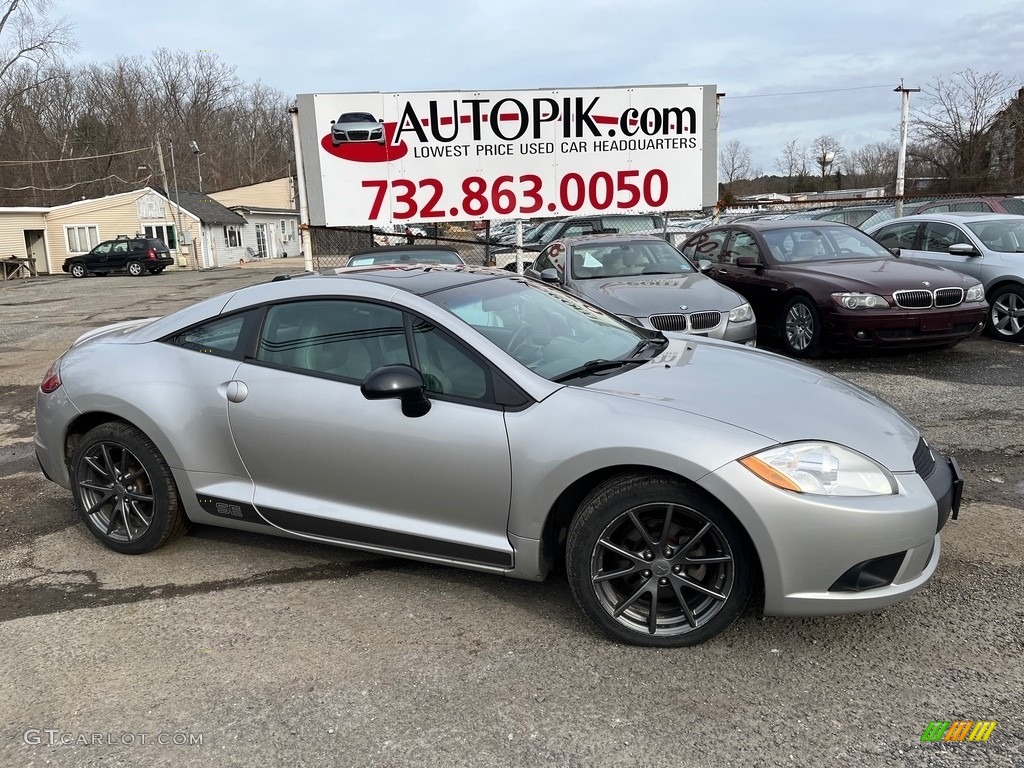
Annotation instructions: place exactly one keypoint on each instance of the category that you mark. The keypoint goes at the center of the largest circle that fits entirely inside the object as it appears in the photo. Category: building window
(164, 233)
(82, 239)
(233, 237)
(291, 230)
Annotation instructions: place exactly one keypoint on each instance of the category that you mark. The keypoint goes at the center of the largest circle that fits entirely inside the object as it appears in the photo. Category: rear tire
(135, 269)
(124, 490)
(1005, 320)
(656, 562)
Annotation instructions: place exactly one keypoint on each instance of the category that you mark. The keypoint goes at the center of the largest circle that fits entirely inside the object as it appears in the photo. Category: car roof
(421, 279)
(404, 249)
(766, 224)
(959, 217)
(609, 239)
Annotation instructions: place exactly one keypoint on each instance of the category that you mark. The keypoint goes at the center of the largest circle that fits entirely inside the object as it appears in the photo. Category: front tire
(124, 490)
(1006, 314)
(655, 562)
(78, 270)
(801, 328)
(135, 269)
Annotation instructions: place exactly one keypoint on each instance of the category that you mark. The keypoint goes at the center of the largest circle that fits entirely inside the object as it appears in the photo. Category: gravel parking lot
(226, 648)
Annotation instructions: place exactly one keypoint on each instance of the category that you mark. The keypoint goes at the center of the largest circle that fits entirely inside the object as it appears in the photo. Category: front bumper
(824, 556)
(870, 328)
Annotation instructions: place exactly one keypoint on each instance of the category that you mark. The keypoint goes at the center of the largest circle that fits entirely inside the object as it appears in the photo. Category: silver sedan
(484, 420)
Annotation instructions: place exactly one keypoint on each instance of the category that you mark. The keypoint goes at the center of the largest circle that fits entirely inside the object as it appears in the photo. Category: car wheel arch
(569, 501)
(89, 420)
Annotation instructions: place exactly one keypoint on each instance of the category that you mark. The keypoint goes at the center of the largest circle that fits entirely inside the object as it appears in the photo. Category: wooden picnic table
(14, 266)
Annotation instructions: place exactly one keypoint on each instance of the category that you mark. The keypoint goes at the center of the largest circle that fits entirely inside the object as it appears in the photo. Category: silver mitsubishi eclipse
(481, 419)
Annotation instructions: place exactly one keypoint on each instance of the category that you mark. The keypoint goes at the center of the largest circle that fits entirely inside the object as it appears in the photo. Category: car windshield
(545, 329)
(405, 257)
(356, 117)
(1003, 235)
(620, 259)
(794, 245)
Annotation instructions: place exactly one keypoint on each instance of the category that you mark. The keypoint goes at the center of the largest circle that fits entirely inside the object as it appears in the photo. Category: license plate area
(938, 323)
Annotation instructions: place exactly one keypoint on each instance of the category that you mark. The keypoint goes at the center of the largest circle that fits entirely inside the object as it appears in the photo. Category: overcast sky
(791, 70)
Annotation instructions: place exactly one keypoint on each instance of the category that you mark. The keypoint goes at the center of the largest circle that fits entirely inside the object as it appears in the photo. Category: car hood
(658, 294)
(881, 275)
(764, 393)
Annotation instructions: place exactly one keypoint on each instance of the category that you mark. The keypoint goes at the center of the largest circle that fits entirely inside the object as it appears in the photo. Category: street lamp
(195, 151)
(825, 161)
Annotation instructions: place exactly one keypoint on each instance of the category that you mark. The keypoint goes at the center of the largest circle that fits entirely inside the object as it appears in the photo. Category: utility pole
(177, 203)
(901, 163)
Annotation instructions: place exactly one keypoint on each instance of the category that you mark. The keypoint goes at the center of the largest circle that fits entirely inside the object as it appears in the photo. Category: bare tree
(951, 127)
(874, 165)
(792, 163)
(826, 152)
(30, 41)
(734, 163)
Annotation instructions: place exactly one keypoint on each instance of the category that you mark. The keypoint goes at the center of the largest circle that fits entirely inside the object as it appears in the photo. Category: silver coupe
(476, 418)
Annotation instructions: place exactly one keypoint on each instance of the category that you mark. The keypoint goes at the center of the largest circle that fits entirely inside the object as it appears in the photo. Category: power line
(72, 159)
(77, 184)
(808, 93)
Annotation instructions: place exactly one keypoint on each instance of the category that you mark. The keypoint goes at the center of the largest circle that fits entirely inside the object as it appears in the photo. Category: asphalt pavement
(226, 648)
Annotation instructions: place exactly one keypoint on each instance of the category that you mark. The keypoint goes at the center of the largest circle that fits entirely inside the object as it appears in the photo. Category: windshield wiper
(657, 341)
(595, 366)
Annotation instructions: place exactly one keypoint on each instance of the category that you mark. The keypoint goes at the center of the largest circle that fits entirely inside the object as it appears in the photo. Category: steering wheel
(520, 337)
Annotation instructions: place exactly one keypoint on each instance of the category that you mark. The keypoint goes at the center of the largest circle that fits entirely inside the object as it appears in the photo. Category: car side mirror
(895, 252)
(401, 382)
(963, 249)
(748, 262)
(705, 265)
(550, 275)
(380, 120)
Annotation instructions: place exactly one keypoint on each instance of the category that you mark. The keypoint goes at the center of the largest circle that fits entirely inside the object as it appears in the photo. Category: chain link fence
(481, 243)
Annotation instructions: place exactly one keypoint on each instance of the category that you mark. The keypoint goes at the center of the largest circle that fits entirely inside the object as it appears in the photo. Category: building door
(35, 248)
(261, 240)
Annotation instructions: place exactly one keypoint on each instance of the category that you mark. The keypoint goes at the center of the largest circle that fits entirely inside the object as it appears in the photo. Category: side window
(839, 216)
(973, 205)
(121, 246)
(938, 236)
(743, 244)
(578, 228)
(543, 261)
(705, 245)
(336, 337)
(103, 249)
(900, 235)
(222, 337)
(447, 368)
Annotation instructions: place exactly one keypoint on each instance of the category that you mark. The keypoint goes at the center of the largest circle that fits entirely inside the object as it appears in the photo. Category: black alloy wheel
(655, 562)
(124, 490)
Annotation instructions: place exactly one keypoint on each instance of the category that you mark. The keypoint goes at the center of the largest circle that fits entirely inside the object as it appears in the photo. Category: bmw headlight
(821, 469)
(860, 301)
(742, 314)
(975, 293)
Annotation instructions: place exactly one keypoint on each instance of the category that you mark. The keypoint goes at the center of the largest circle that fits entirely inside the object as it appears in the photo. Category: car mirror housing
(705, 265)
(963, 249)
(749, 262)
(401, 382)
(550, 275)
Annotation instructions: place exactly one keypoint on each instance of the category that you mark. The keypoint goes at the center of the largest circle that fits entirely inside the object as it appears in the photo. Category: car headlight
(821, 469)
(975, 293)
(860, 301)
(741, 314)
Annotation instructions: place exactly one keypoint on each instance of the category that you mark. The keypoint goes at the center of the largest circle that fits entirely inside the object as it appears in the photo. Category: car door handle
(237, 391)
(723, 271)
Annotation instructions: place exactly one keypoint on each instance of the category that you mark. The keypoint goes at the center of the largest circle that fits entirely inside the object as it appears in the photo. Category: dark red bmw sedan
(817, 286)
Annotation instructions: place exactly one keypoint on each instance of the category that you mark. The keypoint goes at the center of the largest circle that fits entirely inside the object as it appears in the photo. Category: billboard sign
(386, 158)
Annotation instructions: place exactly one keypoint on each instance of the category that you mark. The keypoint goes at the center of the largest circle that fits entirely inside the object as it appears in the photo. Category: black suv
(134, 255)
